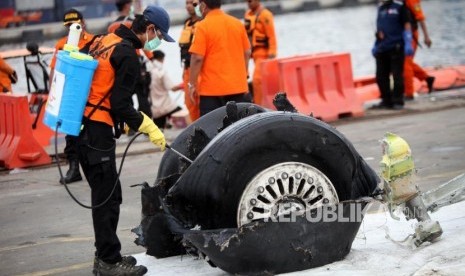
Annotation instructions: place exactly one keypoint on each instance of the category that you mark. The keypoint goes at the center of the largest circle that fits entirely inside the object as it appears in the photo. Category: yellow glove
(155, 134)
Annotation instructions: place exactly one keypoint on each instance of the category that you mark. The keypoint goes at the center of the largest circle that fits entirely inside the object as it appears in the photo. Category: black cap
(160, 18)
(72, 16)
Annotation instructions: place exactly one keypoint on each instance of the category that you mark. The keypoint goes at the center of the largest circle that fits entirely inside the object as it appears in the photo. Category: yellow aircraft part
(397, 169)
(397, 157)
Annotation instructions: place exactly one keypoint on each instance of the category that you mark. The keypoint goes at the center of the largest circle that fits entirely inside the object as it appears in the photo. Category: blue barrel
(69, 91)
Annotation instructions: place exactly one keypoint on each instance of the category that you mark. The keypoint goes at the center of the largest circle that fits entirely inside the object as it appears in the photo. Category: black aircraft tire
(208, 193)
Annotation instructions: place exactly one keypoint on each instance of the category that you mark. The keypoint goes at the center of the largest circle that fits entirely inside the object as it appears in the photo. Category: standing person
(71, 16)
(411, 69)
(185, 42)
(220, 54)
(259, 24)
(109, 104)
(7, 76)
(393, 42)
(126, 15)
(162, 104)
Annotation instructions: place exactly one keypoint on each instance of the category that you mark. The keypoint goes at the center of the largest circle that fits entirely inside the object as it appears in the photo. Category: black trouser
(161, 121)
(71, 148)
(210, 103)
(97, 157)
(387, 63)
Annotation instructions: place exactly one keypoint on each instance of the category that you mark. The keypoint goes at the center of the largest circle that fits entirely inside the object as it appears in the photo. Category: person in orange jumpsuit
(259, 24)
(411, 69)
(71, 16)
(7, 76)
(185, 41)
(220, 58)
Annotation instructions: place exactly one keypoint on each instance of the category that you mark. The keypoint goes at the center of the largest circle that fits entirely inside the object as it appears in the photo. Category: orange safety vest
(185, 41)
(98, 101)
(256, 37)
(187, 33)
(113, 26)
(261, 32)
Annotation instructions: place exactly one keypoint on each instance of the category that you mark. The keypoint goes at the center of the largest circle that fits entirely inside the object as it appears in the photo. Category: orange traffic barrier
(42, 133)
(270, 77)
(270, 81)
(18, 147)
(321, 85)
(369, 92)
(446, 78)
(365, 80)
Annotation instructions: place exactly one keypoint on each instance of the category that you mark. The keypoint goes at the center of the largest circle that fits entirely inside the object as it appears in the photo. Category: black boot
(73, 173)
(121, 268)
(429, 83)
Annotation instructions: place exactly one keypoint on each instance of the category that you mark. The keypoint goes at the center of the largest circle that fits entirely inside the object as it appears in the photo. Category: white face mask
(197, 10)
(153, 44)
(131, 11)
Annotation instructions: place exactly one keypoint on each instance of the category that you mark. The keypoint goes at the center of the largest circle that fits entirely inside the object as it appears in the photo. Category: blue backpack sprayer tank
(70, 86)
(68, 97)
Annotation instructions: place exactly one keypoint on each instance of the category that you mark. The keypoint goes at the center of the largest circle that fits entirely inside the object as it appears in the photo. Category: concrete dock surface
(44, 232)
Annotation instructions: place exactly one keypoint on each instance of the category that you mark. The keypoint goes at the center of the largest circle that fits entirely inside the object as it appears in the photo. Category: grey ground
(43, 232)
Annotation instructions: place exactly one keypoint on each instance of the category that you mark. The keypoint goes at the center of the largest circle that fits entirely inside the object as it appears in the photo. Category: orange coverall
(5, 72)
(185, 41)
(261, 31)
(411, 69)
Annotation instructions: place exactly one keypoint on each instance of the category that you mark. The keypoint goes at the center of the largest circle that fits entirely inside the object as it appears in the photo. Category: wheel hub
(282, 189)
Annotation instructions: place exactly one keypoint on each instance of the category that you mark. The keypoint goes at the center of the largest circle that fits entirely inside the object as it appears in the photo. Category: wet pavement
(45, 233)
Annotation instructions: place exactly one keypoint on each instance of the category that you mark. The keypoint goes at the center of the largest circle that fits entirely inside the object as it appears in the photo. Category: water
(343, 30)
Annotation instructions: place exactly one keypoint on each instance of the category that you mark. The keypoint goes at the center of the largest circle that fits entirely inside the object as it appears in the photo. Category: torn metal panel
(270, 247)
(158, 231)
(448, 193)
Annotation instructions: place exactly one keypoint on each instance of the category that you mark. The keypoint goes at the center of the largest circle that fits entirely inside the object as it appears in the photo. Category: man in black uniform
(109, 104)
(393, 42)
